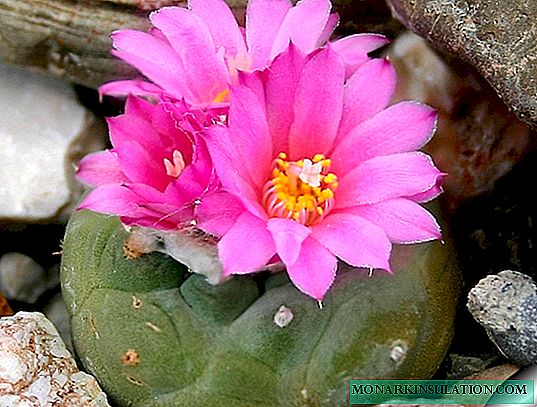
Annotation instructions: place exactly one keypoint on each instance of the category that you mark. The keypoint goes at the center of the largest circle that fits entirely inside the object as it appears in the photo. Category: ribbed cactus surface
(155, 335)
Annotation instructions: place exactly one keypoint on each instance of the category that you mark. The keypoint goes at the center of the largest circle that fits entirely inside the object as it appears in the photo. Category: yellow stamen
(222, 96)
(302, 190)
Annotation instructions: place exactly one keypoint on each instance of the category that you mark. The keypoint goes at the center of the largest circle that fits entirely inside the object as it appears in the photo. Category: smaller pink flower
(156, 170)
(316, 167)
(194, 53)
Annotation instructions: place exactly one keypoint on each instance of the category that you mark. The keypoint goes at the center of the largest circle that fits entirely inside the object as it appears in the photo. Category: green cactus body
(155, 335)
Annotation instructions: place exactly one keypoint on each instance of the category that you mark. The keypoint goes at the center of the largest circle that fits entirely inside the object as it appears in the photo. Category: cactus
(155, 335)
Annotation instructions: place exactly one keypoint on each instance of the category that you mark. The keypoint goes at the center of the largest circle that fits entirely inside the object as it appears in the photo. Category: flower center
(175, 168)
(301, 190)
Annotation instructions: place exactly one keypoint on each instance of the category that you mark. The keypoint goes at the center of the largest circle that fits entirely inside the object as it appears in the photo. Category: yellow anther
(327, 193)
(222, 96)
(300, 190)
(330, 178)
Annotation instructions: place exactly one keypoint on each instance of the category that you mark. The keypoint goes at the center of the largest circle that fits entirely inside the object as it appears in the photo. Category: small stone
(35, 366)
(5, 309)
(22, 279)
(56, 312)
(43, 131)
(506, 306)
(283, 316)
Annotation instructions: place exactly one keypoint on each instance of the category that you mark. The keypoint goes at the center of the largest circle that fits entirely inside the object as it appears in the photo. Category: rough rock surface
(498, 37)
(22, 279)
(43, 130)
(506, 306)
(36, 370)
(477, 140)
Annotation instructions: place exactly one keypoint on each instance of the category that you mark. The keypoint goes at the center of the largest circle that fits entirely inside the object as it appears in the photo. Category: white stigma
(311, 173)
(175, 169)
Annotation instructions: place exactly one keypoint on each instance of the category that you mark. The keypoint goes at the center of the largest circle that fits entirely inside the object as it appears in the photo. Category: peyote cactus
(155, 335)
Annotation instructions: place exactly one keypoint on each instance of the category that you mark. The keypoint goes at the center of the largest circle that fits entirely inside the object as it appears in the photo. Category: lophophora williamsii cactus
(279, 146)
(155, 335)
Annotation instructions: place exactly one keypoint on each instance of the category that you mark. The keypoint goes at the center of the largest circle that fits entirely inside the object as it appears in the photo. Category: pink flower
(155, 171)
(196, 53)
(315, 167)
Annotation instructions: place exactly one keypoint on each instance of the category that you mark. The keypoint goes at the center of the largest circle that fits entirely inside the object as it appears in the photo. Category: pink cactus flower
(194, 53)
(155, 172)
(316, 167)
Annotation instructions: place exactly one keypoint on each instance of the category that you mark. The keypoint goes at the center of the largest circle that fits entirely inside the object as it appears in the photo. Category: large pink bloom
(156, 170)
(316, 167)
(195, 53)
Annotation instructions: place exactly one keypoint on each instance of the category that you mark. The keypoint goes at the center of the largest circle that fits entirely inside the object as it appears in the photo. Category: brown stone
(5, 309)
(497, 37)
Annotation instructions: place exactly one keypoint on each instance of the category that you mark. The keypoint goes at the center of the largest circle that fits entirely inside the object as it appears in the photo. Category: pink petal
(403, 221)
(303, 25)
(331, 24)
(250, 134)
(280, 87)
(153, 58)
(217, 212)
(354, 49)
(100, 168)
(112, 199)
(205, 72)
(400, 128)
(318, 106)
(315, 269)
(430, 194)
(387, 177)
(367, 92)
(221, 23)
(247, 246)
(354, 240)
(288, 236)
(141, 167)
(263, 20)
(231, 170)
(130, 87)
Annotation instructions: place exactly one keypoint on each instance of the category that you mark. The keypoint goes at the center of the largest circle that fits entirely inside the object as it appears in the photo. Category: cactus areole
(156, 335)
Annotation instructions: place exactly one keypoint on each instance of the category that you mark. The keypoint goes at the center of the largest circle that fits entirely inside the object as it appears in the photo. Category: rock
(22, 279)
(43, 131)
(466, 365)
(56, 312)
(477, 140)
(4, 306)
(37, 370)
(497, 37)
(506, 306)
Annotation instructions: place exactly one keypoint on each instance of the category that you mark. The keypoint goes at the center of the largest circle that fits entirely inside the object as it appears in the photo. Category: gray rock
(56, 312)
(506, 306)
(43, 131)
(22, 279)
(37, 370)
(497, 37)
